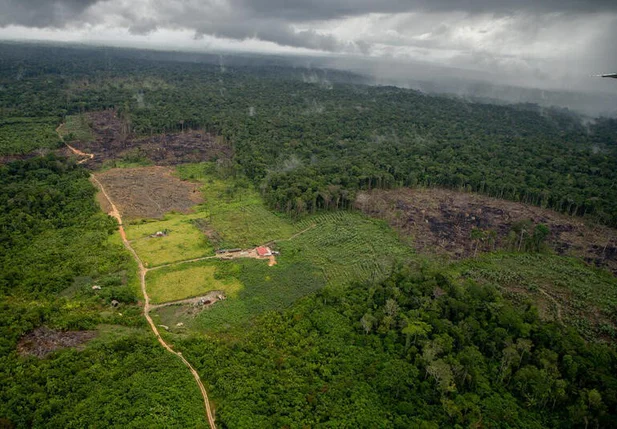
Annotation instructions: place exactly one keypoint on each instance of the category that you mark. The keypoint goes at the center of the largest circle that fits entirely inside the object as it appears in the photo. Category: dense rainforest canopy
(421, 345)
(416, 350)
(309, 139)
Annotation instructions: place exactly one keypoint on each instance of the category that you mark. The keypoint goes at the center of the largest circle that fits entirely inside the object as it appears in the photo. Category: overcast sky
(555, 43)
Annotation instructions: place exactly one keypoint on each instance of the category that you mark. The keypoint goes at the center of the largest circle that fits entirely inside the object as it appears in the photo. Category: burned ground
(43, 341)
(113, 142)
(148, 192)
(441, 221)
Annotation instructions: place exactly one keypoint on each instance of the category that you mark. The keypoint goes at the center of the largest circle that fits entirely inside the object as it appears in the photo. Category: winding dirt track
(142, 276)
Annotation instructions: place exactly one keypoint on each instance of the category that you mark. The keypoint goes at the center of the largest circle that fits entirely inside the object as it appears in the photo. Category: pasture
(193, 279)
(182, 241)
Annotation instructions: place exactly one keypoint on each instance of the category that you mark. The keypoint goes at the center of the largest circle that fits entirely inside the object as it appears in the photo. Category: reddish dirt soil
(147, 192)
(43, 341)
(113, 142)
(441, 221)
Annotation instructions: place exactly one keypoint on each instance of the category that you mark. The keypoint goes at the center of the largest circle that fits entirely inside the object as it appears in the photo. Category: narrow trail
(73, 149)
(186, 261)
(142, 277)
(80, 153)
(210, 296)
(297, 234)
(554, 301)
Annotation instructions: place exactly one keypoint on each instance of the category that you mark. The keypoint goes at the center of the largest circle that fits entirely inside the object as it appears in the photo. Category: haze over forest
(328, 214)
(516, 51)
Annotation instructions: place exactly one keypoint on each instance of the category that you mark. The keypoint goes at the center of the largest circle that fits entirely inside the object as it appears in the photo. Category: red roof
(263, 251)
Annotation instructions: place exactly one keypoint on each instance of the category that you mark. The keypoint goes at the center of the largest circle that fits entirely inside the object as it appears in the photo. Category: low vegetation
(263, 289)
(191, 280)
(346, 247)
(180, 240)
(234, 210)
(76, 127)
(565, 290)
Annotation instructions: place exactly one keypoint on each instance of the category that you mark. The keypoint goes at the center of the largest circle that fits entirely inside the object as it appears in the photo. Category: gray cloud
(57, 13)
(533, 42)
(41, 13)
(300, 10)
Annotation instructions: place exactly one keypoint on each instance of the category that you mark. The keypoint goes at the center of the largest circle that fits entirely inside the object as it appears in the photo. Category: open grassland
(23, 135)
(190, 280)
(182, 240)
(331, 248)
(235, 211)
(564, 289)
(76, 127)
(263, 288)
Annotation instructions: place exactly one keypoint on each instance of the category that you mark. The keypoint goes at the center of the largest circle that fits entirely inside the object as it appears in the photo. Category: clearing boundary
(142, 277)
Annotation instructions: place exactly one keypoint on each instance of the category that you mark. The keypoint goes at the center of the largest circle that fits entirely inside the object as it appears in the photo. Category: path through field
(142, 276)
(554, 301)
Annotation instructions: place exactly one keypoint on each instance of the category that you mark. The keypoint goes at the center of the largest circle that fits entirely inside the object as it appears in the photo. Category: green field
(235, 210)
(190, 280)
(346, 247)
(23, 135)
(183, 240)
(262, 288)
(332, 248)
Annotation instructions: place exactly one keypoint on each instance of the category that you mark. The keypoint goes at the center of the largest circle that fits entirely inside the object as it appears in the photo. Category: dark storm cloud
(332, 9)
(57, 13)
(534, 40)
(41, 13)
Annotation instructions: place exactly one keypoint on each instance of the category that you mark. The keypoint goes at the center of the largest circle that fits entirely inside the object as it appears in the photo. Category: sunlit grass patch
(235, 210)
(181, 240)
(264, 288)
(190, 280)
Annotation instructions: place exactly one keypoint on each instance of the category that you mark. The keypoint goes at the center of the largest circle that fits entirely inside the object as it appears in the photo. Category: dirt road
(80, 153)
(142, 277)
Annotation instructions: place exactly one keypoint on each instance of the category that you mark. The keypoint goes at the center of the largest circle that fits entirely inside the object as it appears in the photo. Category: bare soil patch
(148, 192)
(114, 141)
(43, 341)
(441, 221)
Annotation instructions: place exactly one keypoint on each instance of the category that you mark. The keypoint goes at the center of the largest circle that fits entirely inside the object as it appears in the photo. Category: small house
(263, 251)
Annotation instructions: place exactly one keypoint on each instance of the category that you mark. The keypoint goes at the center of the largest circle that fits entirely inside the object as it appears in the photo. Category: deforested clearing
(149, 192)
(442, 221)
(43, 341)
(110, 138)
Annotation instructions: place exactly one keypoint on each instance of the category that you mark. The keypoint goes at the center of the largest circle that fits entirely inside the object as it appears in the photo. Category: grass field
(339, 248)
(263, 288)
(235, 210)
(332, 248)
(189, 280)
(564, 289)
(76, 127)
(183, 240)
